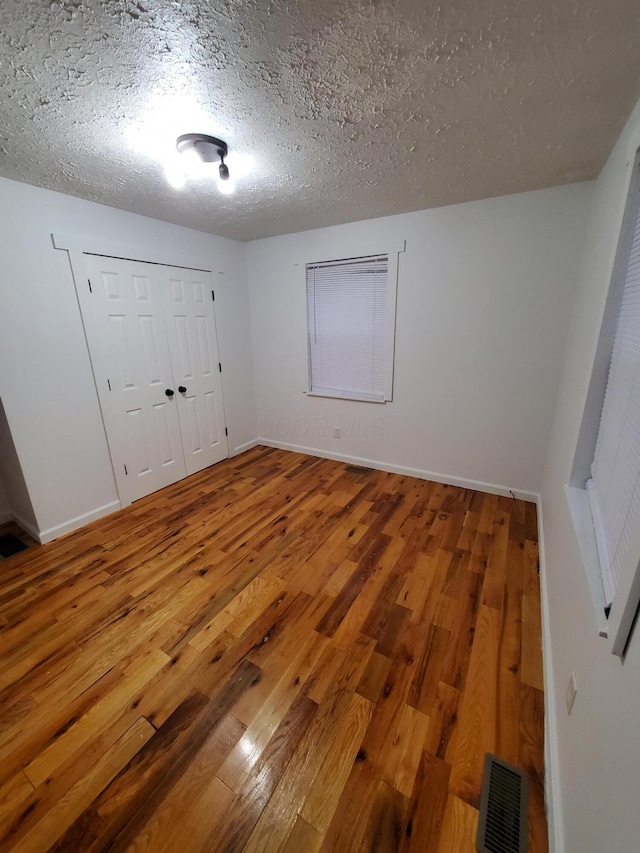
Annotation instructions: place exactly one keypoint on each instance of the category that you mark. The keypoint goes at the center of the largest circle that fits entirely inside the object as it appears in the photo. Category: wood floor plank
(277, 819)
(331, 621)
(281, 652)
(14, 794)
(64, 812)
(302, 838)
(427, 677)
(332, 775)
(387, 820)
(459, 827)
(374, 677)
(531, 760)
(508, 732)
(496, 564)
(427, 806)
(263, 719)
(351, 816)
(116, 816)
(531, 643)
(404, 750)
(256, 793)
(475, 732)
(443, 720)
(198, 801)
(99, 717)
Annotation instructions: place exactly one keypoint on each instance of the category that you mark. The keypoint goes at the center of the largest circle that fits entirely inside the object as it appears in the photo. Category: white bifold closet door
(152, 338)
(193, 348)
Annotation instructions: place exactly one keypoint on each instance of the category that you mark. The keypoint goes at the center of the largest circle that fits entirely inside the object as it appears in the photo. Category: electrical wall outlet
(336, 432)
(570, 695)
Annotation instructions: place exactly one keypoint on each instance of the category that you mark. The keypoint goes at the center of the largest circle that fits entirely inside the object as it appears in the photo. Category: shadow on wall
(13, 480)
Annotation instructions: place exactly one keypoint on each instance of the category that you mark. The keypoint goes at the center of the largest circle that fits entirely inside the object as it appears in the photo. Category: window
(614, 487)
(351, 324)
(613, 484)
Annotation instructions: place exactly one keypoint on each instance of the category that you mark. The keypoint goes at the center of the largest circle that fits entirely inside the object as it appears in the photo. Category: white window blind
(348, 326)
(614, 490)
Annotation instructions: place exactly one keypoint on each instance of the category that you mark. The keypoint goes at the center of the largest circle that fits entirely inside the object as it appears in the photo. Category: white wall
(45, 376)
(598, 746)
(484, 294)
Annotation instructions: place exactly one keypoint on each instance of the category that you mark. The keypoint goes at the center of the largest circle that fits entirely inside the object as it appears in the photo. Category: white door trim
(77, 248)
(165, 255)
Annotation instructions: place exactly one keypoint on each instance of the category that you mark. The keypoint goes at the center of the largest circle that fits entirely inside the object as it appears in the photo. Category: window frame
(626, 602)
(390, 325)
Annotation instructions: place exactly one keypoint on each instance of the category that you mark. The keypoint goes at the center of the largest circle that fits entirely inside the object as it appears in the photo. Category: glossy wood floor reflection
(279, 653)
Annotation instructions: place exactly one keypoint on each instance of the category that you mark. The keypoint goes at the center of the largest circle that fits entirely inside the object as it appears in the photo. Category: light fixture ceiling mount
(209, 149)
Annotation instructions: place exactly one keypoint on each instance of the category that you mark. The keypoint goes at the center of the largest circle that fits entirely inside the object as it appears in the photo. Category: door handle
(182, 389)
(169, 392)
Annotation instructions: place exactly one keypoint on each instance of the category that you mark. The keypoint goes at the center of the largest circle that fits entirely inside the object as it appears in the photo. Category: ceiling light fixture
(207, 149)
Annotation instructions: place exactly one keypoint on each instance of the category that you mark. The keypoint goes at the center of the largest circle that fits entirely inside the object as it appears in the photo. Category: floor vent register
(10, 545)
(502, 827)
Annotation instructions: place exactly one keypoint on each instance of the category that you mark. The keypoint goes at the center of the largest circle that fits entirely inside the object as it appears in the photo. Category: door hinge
(219, 367)
(125, 471)
(213, 296)
(89, 283)
(226, 431)
(109, 384)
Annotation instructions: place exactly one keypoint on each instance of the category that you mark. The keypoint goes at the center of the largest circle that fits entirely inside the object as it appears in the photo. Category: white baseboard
(74, 523)
(246, 446)
(551, 762)
(421, 474)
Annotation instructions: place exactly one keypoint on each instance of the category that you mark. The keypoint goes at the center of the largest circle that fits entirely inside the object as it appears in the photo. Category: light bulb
(175, 175)
(226, 187)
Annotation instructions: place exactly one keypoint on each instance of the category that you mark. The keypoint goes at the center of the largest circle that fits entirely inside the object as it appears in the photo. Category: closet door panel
(194, 356)
(128, 345)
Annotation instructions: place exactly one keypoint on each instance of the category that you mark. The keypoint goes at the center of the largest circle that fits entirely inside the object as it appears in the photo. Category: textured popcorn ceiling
(334, 111)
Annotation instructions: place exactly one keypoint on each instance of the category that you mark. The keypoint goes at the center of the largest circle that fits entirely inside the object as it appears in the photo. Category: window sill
(578, 502)
(336, 396)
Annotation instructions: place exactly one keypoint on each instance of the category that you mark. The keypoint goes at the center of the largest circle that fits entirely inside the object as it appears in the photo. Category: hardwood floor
(278, 653)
